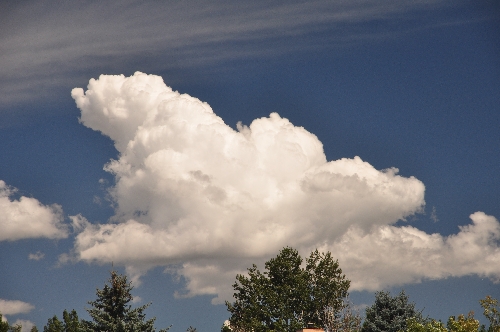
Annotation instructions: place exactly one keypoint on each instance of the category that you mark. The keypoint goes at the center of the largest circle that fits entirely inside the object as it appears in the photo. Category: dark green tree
(4, 326)
(54, 325)
(34, 329)
(287, 296)
(389, 314)
(71, 321)
(111, 312)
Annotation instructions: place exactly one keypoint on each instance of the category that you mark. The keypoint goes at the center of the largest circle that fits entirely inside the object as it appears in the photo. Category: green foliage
(71, 321)
(111, 312)
(491, 311)
(463, 324)
(460, 324)
(191, 329)
(225, 328)
(414, 325)
(4, 326)
(54, 325)
(390, 314)
(287, 296)
(34, 329)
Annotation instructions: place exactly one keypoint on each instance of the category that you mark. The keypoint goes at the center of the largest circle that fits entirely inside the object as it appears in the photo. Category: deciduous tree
(287, 296)
(491, 311)
(463, 323)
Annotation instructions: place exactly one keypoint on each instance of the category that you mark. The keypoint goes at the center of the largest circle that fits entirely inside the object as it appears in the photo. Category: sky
(179, 143)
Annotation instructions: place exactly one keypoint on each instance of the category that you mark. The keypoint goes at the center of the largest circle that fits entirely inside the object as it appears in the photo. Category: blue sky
(191, 198)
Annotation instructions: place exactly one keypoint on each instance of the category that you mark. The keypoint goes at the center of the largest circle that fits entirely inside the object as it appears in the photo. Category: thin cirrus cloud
(207, 201)
(26, 217)
(53, 45)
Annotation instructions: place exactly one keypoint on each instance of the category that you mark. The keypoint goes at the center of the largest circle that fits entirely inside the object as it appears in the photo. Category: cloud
(26, 325)
(389, 255)
(14, 307)
(26, 217)
(36, 256)
(49, 45)
(207, 201)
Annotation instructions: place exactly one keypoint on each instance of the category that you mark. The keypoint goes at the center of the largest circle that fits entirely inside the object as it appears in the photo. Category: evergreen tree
(71, 321)
(111, 312)
(53, 325)
(390, 314)
(34, 329)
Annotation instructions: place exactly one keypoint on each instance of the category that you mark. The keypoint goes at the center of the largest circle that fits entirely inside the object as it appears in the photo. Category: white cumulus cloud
(26, 217)
(207, 201)
(13, 307)
(389, 255)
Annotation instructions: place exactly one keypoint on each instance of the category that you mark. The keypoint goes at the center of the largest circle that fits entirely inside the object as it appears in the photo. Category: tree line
(288, 296)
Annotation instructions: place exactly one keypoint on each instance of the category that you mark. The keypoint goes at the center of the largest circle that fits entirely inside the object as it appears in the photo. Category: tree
(413, 325)
(347, 320)
(70, 321)
(463, 324)
(225, 327)
(54, 325)
(34, 329)
(491, 312)
(287, 296)
(4, 326)
(15, 328)
(390, 314)
(111, 312)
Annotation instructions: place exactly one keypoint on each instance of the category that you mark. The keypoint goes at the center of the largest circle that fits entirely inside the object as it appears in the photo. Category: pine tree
(71, 321)
(111, 312)
(390, 314)
(53, 325)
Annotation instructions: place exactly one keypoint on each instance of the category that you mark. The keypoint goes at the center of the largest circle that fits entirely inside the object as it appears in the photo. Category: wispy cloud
(52, 45)
(36, 256)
